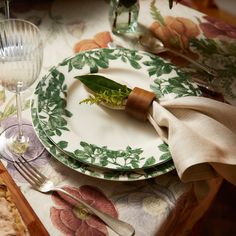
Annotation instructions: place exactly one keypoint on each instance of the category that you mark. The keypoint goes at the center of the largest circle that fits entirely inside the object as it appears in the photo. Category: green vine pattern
(128, 157)
(52, 103)
(88, 169)
(179, 84)
(100, 59)
(53, 115)
(164, 148)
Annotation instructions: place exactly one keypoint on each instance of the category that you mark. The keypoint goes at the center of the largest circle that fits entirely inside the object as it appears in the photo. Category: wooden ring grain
(139, 102)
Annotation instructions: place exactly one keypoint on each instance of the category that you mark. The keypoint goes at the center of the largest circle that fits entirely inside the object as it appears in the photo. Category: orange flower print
(85, 44)
(100, 40)
(176, 32)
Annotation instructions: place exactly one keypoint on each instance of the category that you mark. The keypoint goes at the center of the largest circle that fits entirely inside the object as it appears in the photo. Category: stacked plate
(98, 141)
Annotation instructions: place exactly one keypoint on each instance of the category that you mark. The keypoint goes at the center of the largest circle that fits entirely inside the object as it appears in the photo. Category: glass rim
(20, 20)
(38, 31)
(24, 21)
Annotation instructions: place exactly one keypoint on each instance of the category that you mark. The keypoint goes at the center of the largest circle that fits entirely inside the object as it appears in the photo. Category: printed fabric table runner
(155, 206)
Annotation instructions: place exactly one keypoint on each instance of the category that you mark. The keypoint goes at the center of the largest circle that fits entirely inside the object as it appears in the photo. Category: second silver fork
(42, 184)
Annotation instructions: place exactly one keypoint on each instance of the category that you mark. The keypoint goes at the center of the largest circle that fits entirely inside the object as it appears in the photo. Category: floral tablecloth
(158, 206)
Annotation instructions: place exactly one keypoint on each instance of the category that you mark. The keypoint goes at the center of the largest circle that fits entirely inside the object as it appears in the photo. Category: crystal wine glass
(21, 55)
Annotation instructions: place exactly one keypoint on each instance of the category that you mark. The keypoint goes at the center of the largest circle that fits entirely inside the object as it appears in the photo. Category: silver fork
(42, 184)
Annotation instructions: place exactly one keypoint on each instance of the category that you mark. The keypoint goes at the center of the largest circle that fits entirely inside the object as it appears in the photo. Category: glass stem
(115, 20)
(129, 20)
(19, 113)
(7, 11)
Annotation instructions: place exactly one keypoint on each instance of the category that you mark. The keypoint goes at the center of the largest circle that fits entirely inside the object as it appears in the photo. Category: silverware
(42, 184)
(155, 46)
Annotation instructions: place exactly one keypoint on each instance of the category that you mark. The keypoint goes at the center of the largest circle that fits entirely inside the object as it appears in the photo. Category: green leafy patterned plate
(91, 170)
(100, 136)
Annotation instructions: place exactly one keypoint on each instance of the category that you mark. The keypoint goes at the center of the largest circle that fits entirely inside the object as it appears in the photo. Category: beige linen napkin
(201, 134)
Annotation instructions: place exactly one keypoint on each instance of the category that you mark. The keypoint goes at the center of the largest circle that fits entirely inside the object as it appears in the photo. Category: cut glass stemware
(21, 55)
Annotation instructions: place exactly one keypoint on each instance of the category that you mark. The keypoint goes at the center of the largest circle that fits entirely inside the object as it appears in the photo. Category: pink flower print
(214, 28)
(72, 219)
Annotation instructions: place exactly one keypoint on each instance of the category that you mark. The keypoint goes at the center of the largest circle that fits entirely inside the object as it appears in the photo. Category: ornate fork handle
(42, 184)
(120, 227)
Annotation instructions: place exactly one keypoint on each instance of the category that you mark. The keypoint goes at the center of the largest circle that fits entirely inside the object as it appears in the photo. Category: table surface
(158, 206)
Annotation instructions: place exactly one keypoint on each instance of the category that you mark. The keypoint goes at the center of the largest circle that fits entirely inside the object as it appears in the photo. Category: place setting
(114, 129)
(102, 140)
(99, 141)
(123, 163)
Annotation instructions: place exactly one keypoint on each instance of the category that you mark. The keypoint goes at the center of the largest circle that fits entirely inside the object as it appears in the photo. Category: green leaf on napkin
(105, 90)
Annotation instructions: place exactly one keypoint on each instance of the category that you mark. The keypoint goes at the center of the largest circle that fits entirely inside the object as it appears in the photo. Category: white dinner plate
(99, 136)
(93, 171)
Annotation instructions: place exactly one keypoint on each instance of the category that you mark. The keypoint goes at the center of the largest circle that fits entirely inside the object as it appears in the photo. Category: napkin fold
(201, 134)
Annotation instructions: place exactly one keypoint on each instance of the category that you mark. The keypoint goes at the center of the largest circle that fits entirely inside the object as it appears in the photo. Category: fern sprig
(156, 15)
(110, 97)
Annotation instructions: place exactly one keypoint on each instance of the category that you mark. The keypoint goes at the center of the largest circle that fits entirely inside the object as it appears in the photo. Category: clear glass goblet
(21, 55)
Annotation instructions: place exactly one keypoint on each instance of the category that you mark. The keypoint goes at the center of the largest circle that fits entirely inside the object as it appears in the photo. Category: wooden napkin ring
(138, 103)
